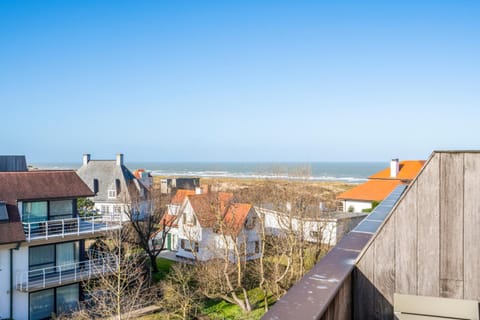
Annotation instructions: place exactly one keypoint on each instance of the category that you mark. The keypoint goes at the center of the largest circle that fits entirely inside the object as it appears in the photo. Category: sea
(350, 172)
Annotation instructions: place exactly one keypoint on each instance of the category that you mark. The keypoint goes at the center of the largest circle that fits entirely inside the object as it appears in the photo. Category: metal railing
(68, 273)
(71, 226)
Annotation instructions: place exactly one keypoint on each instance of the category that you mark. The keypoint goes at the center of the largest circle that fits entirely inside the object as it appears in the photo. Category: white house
(379, 185)
(211, 225)
(170, 221)
(117, 190)
(326, 227)
(43, 258)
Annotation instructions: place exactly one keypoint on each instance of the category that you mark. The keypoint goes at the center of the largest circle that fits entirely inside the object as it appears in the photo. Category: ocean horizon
(350, 172)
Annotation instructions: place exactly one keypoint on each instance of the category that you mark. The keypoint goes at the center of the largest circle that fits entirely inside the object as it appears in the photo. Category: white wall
(192, 233)
(277, 222)
(20, 305)
(20, 299)
(5, 282)
(211, 244)
(358, 206)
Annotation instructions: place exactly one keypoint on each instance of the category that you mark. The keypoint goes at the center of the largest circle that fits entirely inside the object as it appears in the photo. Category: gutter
(11, 279)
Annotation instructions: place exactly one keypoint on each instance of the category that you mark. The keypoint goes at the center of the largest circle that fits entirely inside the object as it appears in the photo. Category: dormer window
(3, 212)
(112, 194)
(95, 185)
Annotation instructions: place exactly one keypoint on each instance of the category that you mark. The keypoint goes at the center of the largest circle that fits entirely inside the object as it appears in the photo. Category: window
(57, 300)
(3, 211)
(112, 194)
(41, 257)
(314, 234)
(35, 211)
(257, 246)
(38, 211)
(186, 245)
(250, 223)
(117, 209)
(105, 209)
(191, 219)
(60, 254)
(95, 185)
(67, 298)
(62, 209)
(42, 304)
(117, 185)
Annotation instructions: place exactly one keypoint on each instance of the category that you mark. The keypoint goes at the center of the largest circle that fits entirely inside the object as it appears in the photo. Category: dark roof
(13, 163)
(34, 185)
(12, 231)
(107, 172)
(38, 185)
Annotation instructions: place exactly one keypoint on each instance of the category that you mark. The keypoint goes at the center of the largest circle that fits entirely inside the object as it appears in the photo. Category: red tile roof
(235, 217)
(408, 170)
(209, 207)
(169, 220)
(180, 196)
(138, 173)
(381, 184)
(373, 190)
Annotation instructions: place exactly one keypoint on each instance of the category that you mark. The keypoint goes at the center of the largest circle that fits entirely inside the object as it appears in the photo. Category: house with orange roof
(170, 220)
(379, 185)
(208, 224)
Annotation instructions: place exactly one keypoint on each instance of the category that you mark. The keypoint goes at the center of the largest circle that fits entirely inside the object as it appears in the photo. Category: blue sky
(238, 80)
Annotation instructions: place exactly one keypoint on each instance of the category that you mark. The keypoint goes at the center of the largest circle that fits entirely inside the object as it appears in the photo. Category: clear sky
(238, 80)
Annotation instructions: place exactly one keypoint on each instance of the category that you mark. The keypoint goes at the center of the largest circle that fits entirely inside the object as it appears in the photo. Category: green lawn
(164, 266)
(215, 309)
(220, 309)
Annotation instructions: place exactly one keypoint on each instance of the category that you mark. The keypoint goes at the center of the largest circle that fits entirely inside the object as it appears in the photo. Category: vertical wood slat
(384, 270)
(472, 227)
(451, 225)
(406, 244)
(340, 308)
(428, 268)
(363, 289)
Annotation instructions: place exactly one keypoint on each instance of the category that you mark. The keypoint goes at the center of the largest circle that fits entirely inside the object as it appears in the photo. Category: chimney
(86, 158)
(394, 168)
(120, 159)
(198, 190)
(205, 188)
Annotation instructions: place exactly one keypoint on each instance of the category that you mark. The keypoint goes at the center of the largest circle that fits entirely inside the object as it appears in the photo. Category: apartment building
(43, 256)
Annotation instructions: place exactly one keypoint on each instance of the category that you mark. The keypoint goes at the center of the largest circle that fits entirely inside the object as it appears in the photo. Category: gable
(429, 244)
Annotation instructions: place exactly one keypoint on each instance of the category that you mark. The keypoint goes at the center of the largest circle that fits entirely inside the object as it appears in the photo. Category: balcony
(26, 281)
(45, 230)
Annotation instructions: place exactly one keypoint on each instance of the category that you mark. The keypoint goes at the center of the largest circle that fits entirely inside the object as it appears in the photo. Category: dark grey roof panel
(13, 163)
(107, 172)
(373, 221)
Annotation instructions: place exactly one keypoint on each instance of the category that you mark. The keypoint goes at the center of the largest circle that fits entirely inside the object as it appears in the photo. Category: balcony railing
(68, 273)
(45, 230)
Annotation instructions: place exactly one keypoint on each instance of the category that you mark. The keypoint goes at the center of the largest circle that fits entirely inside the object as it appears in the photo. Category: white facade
(327, 229)
(120, 210)
(356, 205)
(197, 242)
(19, 275)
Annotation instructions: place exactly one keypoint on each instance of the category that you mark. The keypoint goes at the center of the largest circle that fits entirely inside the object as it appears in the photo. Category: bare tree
(180, 295)
(122, 283)
(148, 218)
